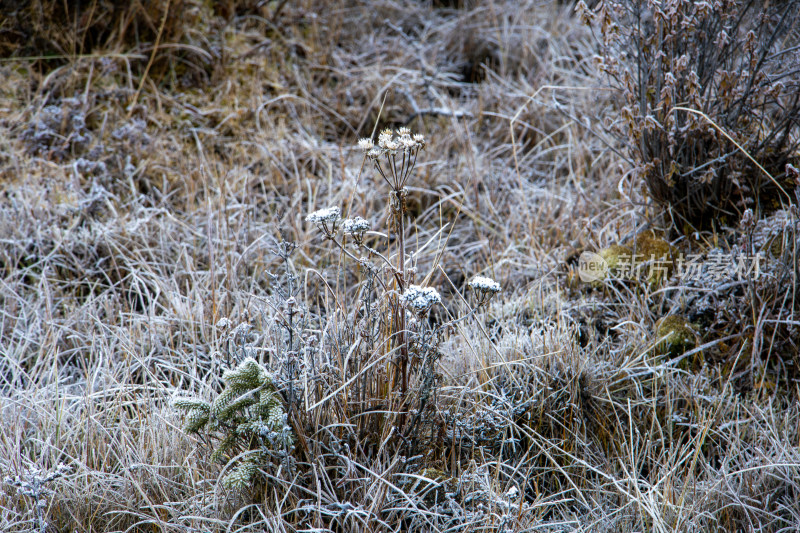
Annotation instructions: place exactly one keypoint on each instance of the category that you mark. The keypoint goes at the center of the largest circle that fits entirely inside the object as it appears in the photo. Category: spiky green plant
(247, 416)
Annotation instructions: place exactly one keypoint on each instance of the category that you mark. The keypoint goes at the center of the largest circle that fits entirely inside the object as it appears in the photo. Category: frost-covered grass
(158, 230)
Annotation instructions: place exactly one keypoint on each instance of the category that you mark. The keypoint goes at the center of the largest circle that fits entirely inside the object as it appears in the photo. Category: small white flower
(404, 132)
(408, 143)
(356, 226)
(484, 284)
(420, 299)
(420, 140)
(384, 137)
(391, 146)
(365, 145)
(327, 215)
(375, 153)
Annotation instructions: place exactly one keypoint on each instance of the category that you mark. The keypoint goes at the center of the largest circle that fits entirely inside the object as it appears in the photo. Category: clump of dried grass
(711, 115)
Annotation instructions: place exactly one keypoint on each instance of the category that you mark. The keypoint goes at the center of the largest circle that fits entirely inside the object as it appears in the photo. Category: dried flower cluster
(391, 145)
(484, 287)
(326, 219)
(420, 299)
(356, 227)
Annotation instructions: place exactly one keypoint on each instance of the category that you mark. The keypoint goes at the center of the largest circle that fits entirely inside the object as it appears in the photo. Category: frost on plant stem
(420, 299)
(33, 484)
(748, 221)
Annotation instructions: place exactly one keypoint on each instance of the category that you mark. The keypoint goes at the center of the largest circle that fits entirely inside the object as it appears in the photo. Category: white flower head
(375, 153)
(419, 139)
(384, 137)
(329, 214)
(391, 146)
(408, 143)
(485, 287)
(484, 284)
(365, 145)
(420, 299)
(326, 219)
(404, 132)
(356, 226)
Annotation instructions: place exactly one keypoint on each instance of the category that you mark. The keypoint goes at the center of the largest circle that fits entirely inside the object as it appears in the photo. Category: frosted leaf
(188, 404)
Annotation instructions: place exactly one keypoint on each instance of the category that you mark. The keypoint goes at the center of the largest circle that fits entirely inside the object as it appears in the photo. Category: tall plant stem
(401, 322)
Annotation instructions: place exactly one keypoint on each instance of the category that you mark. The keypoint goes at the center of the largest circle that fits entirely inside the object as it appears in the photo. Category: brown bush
(703, 83)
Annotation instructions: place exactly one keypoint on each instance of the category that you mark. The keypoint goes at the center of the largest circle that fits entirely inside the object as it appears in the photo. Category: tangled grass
(145, 214)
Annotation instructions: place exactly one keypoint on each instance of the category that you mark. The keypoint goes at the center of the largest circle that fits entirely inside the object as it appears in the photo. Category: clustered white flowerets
(327, 215)
(485, 287)
(390, 142)
(365, 145)
(356, 226)
(484, 284)
(326, 219)
(420, 299)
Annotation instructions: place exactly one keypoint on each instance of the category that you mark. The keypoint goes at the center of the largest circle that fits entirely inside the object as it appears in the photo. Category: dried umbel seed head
(420, 299)
(390, 143)
(365, 145)
(484, 287)
(356, 227)
(484, 284)
(400, 148)
(384, 137)
(326, 219)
